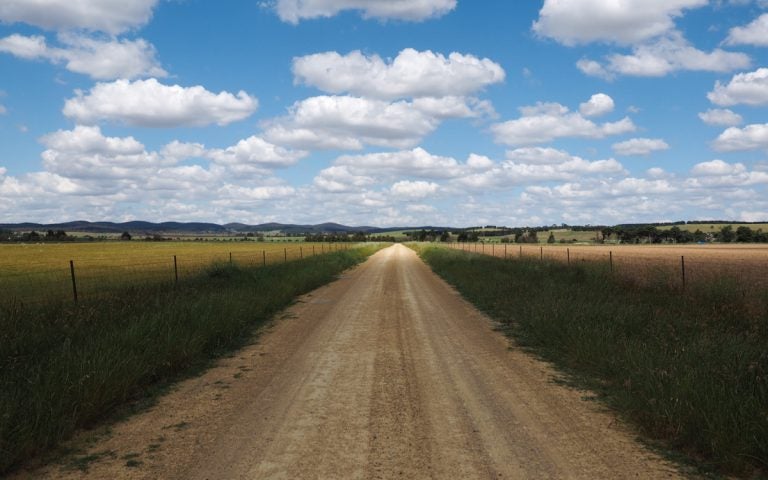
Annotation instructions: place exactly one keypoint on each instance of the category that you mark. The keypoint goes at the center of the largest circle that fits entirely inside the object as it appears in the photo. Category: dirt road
(386, 373)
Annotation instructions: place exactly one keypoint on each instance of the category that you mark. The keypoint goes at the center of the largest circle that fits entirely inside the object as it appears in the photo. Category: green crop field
(568, 236)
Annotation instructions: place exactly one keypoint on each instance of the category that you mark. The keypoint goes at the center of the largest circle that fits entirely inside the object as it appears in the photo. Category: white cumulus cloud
(717, 168)
(743, 89)
(350, 123)
(545, 122)
(538, 156)
(755, 33)
(414, 190)
(410, 74)
(110, 16)
(148, 103)
(751, 137)
(574, 22)
(339, 179)
(720, 174)
(721, 117)
(257, 152)
(293, 11)
(640, 146)
(663, 56)
(100, 59)
(415, 163)
(599, 105)
(85, 153)
(532, 165)
(454, 107)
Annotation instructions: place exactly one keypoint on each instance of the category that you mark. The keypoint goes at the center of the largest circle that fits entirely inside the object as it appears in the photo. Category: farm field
(746, 263)
(564, 234)
(41, 272)
(715, 227)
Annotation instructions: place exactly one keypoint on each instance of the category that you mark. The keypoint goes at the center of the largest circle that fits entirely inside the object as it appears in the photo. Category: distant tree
(445, 237)
(529, 236)
(674, 234)
(551, 238)
(745, 234)
(727, 234)
(125, 236)
(699, 236)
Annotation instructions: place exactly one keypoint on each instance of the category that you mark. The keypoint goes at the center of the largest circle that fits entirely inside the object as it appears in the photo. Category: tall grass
(689, 368)
(64, 366)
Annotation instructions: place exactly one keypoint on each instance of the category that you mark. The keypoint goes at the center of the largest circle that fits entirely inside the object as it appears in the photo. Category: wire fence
(90, 277)
(674, 266)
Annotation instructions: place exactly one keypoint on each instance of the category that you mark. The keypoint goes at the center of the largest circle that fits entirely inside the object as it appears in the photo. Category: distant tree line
(429, 236)
(355, 237)
(33, 236)
(651, 234)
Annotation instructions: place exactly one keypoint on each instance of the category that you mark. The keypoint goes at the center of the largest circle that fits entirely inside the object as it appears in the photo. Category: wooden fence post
(542, 253)
(568, 253)
(230, 258)
(74, 282)
(610, 260)
(175, 270)
(301, 253)
(521, 251)
(682, 265)
(285, 254)
(264, 257)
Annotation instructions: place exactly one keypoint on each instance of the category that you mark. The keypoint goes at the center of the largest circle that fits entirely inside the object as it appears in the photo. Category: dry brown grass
(41, 272)
(746, 263)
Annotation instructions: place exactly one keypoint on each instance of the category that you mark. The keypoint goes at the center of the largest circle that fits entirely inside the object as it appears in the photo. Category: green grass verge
(690, 369)
(65, 366)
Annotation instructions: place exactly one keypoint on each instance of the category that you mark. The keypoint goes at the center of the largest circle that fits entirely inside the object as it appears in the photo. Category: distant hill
(111, 227)
(139, 227)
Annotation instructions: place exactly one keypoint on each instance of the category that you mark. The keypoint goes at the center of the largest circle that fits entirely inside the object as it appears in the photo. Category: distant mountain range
(139, 227)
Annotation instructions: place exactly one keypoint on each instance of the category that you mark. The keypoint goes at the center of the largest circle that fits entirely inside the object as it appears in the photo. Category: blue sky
(384, 112)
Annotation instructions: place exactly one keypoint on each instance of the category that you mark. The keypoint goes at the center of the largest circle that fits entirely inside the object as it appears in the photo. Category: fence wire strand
(37, 282)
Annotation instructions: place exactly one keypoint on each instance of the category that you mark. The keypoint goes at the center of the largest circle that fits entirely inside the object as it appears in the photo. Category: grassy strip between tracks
(66, 366)
(688, 368)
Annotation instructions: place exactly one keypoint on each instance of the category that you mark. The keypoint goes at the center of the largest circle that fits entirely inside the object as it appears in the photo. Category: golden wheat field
(747, 263)
(41, 272)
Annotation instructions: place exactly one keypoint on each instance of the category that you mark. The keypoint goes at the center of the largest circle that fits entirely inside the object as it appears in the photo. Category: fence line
(651, 267)
(88, 280)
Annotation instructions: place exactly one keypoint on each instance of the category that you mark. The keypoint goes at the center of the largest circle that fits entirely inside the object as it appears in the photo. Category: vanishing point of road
(385, 373)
